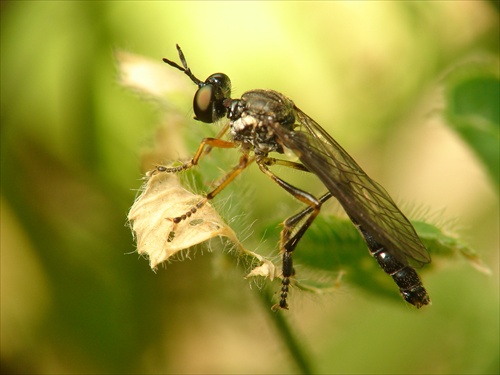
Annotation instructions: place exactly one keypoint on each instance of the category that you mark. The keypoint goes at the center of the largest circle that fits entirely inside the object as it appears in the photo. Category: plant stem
(297, 352)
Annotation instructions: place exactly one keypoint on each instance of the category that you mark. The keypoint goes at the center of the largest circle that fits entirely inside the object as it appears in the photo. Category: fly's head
(209, 103)
(209, 100)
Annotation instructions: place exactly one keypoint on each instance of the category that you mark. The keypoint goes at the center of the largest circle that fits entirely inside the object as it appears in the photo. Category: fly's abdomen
(404, 276)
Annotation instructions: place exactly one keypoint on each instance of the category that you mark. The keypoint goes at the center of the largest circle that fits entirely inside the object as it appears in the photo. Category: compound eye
(203, 103)
(208, 103)
(221, 81)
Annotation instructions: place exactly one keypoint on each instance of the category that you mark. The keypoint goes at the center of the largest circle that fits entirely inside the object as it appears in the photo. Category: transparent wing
(362, 198)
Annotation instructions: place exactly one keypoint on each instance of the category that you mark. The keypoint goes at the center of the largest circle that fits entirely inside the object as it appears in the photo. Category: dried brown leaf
(159, 238)
(163, 197)
(150, 77)
(157, 235)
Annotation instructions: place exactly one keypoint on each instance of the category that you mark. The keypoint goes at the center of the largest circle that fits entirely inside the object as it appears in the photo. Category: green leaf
(473, 110)
(333, 250)
(444, 245)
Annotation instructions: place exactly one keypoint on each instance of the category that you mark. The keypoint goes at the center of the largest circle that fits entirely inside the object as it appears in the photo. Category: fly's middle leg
(245, 160)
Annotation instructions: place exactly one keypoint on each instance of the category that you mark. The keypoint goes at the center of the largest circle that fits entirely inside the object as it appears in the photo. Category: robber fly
(265, 121)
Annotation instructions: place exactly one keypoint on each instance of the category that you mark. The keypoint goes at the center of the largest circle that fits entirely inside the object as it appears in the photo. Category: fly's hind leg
(294, 228)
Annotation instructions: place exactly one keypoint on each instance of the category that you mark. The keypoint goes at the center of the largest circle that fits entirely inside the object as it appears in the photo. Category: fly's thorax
(270, 103)
(254, 133)
(254, 116)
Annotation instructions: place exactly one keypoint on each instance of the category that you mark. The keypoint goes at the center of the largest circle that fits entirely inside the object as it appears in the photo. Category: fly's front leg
(289, 240)
(218, 136)
(207, 143)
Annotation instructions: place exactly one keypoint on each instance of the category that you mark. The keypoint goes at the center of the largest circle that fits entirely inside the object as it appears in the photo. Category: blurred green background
(75, 298)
